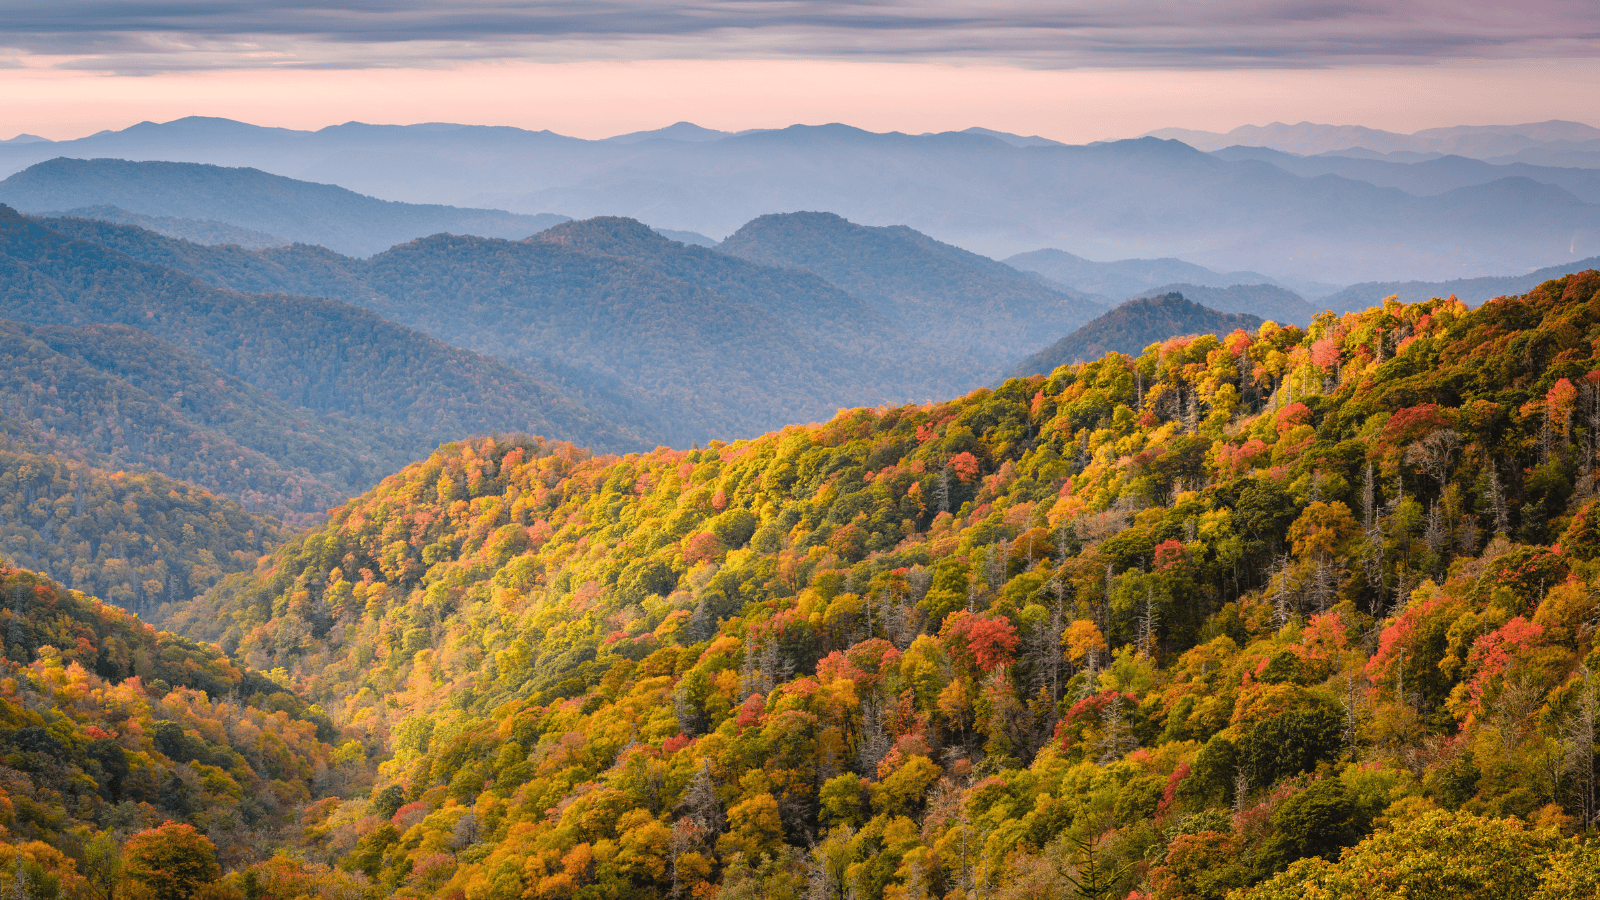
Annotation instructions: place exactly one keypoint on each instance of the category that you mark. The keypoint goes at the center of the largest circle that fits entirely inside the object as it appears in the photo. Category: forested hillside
(287, 403)
(1131, 327)
(135, 760)
(135, 540)
(680, 343)
(1244, 614)
(115, 397)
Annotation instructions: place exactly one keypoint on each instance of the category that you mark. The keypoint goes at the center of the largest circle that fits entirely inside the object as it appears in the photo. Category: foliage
(1435, 856)
(1242, 616)
(1121, 643)
(135, 540)
(171, 862)
(108, 726)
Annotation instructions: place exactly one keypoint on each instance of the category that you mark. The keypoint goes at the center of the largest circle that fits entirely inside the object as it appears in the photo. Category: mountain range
(678, 341)
(1144, 198)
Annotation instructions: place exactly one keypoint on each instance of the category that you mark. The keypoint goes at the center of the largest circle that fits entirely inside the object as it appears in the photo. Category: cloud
(138, 36)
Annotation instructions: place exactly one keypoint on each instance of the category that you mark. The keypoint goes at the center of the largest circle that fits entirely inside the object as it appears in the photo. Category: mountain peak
(610, 235)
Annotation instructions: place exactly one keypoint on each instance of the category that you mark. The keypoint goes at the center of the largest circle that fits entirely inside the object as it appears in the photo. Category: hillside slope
(302, 211)
(1133, 326)
(114, 397)
(1244, 613)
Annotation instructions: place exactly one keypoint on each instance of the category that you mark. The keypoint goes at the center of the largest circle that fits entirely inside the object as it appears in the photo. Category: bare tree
(1578, 742)
(1434, 454)
(1497, 502)
(1116, 739)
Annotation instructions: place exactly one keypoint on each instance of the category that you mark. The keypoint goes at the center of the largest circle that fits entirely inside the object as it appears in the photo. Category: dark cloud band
(181, 34)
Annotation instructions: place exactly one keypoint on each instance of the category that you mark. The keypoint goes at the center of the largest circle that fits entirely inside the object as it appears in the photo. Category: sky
(1072, 71)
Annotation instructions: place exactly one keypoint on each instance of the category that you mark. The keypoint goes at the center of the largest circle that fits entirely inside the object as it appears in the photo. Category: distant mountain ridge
(305, 212)
(1130, 328)
(1476, 141)
(1422, 178)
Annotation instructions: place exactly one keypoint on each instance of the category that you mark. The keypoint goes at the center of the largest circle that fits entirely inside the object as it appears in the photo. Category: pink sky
(598, 98)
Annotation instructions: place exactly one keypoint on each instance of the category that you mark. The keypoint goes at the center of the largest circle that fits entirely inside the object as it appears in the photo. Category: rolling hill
(1131, 327)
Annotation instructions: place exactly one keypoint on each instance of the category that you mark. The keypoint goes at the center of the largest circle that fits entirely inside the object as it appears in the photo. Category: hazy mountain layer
(929, 290)
(1124, 199)
(1476, 141)
(301, 211)
(200, 231)
(1472, 291)
(1130, 328)
(1122, 279)
(1426, 178)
